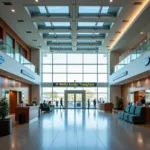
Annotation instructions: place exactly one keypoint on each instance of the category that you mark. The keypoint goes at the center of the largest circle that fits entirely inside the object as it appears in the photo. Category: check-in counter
(31, 113)
(106, 106)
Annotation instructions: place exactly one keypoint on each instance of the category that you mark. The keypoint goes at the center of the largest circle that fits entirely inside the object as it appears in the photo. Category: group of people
(94, 103)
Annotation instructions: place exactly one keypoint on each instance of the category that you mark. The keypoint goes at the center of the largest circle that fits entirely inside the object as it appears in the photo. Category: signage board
(146, 61)
(27, 74)
(2, 60)
(121, 75)
(74, 84)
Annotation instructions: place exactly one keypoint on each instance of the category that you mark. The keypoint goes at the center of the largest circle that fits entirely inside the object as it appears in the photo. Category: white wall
(35, 93)
(134, 68)
(12, 66)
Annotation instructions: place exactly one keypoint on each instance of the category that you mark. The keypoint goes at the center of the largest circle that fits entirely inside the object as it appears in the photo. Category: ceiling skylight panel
(58, 9)
(100, 24)
(42, 9)
(61, 24)
(86, 24)
(48, 24)
(89, 9)
(105, 9)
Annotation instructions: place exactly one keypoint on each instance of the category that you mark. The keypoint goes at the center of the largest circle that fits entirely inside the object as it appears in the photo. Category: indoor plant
(118, 103)
(5, 123)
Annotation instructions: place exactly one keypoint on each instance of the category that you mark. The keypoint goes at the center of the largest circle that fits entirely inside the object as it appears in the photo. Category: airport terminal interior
(74, 75)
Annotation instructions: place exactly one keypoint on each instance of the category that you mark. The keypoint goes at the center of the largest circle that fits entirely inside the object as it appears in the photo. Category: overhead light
(141, 33)
(37, 1)
(13, 10)
(110, 1)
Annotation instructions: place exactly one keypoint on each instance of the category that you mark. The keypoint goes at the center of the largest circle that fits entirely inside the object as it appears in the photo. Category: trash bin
(21, 118)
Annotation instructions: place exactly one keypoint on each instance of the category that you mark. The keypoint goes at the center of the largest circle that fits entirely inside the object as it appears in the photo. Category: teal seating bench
(133, 114)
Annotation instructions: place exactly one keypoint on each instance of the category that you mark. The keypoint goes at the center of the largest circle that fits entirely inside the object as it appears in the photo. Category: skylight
(86, 24)
(85, 33)
(58, 9)
(63, 33)
(48, 24)
(42, 9)
(51, 33)
(60, 24)
(100, 24)
(105, 9)
(89, 9)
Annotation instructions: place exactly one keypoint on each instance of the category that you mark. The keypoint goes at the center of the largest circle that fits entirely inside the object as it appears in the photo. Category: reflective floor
(77, 130)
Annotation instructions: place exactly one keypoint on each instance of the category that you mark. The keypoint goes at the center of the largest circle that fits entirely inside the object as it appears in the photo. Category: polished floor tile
(77, 130)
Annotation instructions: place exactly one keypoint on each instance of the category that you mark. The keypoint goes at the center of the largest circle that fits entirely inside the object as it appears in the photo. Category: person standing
(61, 103)
(94, 102)
(88, 103)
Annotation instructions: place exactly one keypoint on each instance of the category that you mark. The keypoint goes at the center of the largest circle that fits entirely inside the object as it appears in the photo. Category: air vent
(118, 32)
(125, 21)
(7, 3)
(137, 2)
(28, 32)
(20, 20)
(111, 40)
(39, 46)
(34, 40)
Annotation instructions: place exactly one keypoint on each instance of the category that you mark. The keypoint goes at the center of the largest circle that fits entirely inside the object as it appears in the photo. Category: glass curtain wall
(68, 67)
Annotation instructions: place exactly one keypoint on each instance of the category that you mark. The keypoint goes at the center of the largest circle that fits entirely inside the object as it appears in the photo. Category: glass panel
(42, 9)
(59, 69)
(102, 68)
(47, 68)
(102, 98)
(102, 58)
(59, 58)
(74, 77)
(102, 90)
(47, 58)
(58, 9)
(47, 89)
(74, 68)
(86, 24)
(56, 99)
(74, 58)
(61, 24)
(78, 100)
(48, 24)
(90, 68)
(90, 58)
(90, 89)
(59, 77)
(105, 9)
(90, 77)
(71, 100)
(47, 77)
(100, 24)
(59, 89)
(89, 9)
(102, 78)
(90, 100)
(47, 97)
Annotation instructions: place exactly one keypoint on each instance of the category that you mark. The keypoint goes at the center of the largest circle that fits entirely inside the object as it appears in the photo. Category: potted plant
(118, 103)
(5, 123)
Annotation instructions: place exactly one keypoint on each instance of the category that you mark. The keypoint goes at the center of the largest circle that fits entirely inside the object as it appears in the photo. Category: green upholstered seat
(121, 114)
(132, 109)
(139, 115)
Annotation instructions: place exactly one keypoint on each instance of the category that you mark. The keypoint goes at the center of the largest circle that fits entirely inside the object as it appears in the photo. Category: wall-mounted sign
(2, 60)
(146, 61)
(27, 74)
(73, 84)
(121, 75)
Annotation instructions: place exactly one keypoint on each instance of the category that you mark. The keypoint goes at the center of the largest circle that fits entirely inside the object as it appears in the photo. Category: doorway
(75, 99)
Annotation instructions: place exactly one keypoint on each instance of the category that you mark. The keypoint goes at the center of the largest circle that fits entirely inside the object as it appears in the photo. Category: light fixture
(13, 10)
(37, 1)
(110, 1)
(141, 33)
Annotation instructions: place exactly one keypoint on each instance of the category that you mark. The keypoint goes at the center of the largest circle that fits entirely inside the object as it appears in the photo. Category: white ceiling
(115, 41)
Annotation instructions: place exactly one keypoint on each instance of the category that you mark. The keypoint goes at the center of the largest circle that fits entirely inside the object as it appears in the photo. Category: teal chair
(131, 112)
(127, 110)
(139, 117)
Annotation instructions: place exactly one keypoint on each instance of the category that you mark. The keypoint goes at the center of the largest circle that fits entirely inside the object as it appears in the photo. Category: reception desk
(31, 113)
(106, 106)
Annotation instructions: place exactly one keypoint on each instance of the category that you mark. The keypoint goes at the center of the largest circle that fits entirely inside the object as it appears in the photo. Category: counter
(106, 106)
(31, 113)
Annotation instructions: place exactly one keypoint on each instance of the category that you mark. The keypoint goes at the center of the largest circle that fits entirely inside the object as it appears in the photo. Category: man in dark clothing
(61, 103)
(143, 100)
(94, 102)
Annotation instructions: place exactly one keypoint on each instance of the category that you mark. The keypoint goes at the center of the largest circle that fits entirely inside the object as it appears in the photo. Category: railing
(5, 48)
(132, 56)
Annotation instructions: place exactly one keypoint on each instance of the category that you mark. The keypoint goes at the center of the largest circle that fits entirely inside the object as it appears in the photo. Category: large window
(80, 67)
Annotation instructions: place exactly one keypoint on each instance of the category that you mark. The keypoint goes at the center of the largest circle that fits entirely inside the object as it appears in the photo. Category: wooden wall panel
(12, 101)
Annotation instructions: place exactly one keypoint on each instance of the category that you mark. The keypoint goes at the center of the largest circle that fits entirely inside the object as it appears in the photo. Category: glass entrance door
(74, 99)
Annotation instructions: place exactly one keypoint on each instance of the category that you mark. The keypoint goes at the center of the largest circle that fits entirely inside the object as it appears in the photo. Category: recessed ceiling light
(142, 33)
(7, 3)
(37, 1)
(13, 10)
(111, 40)
(110, 1)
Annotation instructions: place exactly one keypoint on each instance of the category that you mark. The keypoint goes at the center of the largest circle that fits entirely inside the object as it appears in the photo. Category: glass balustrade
(132, 56)
(5, 48)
